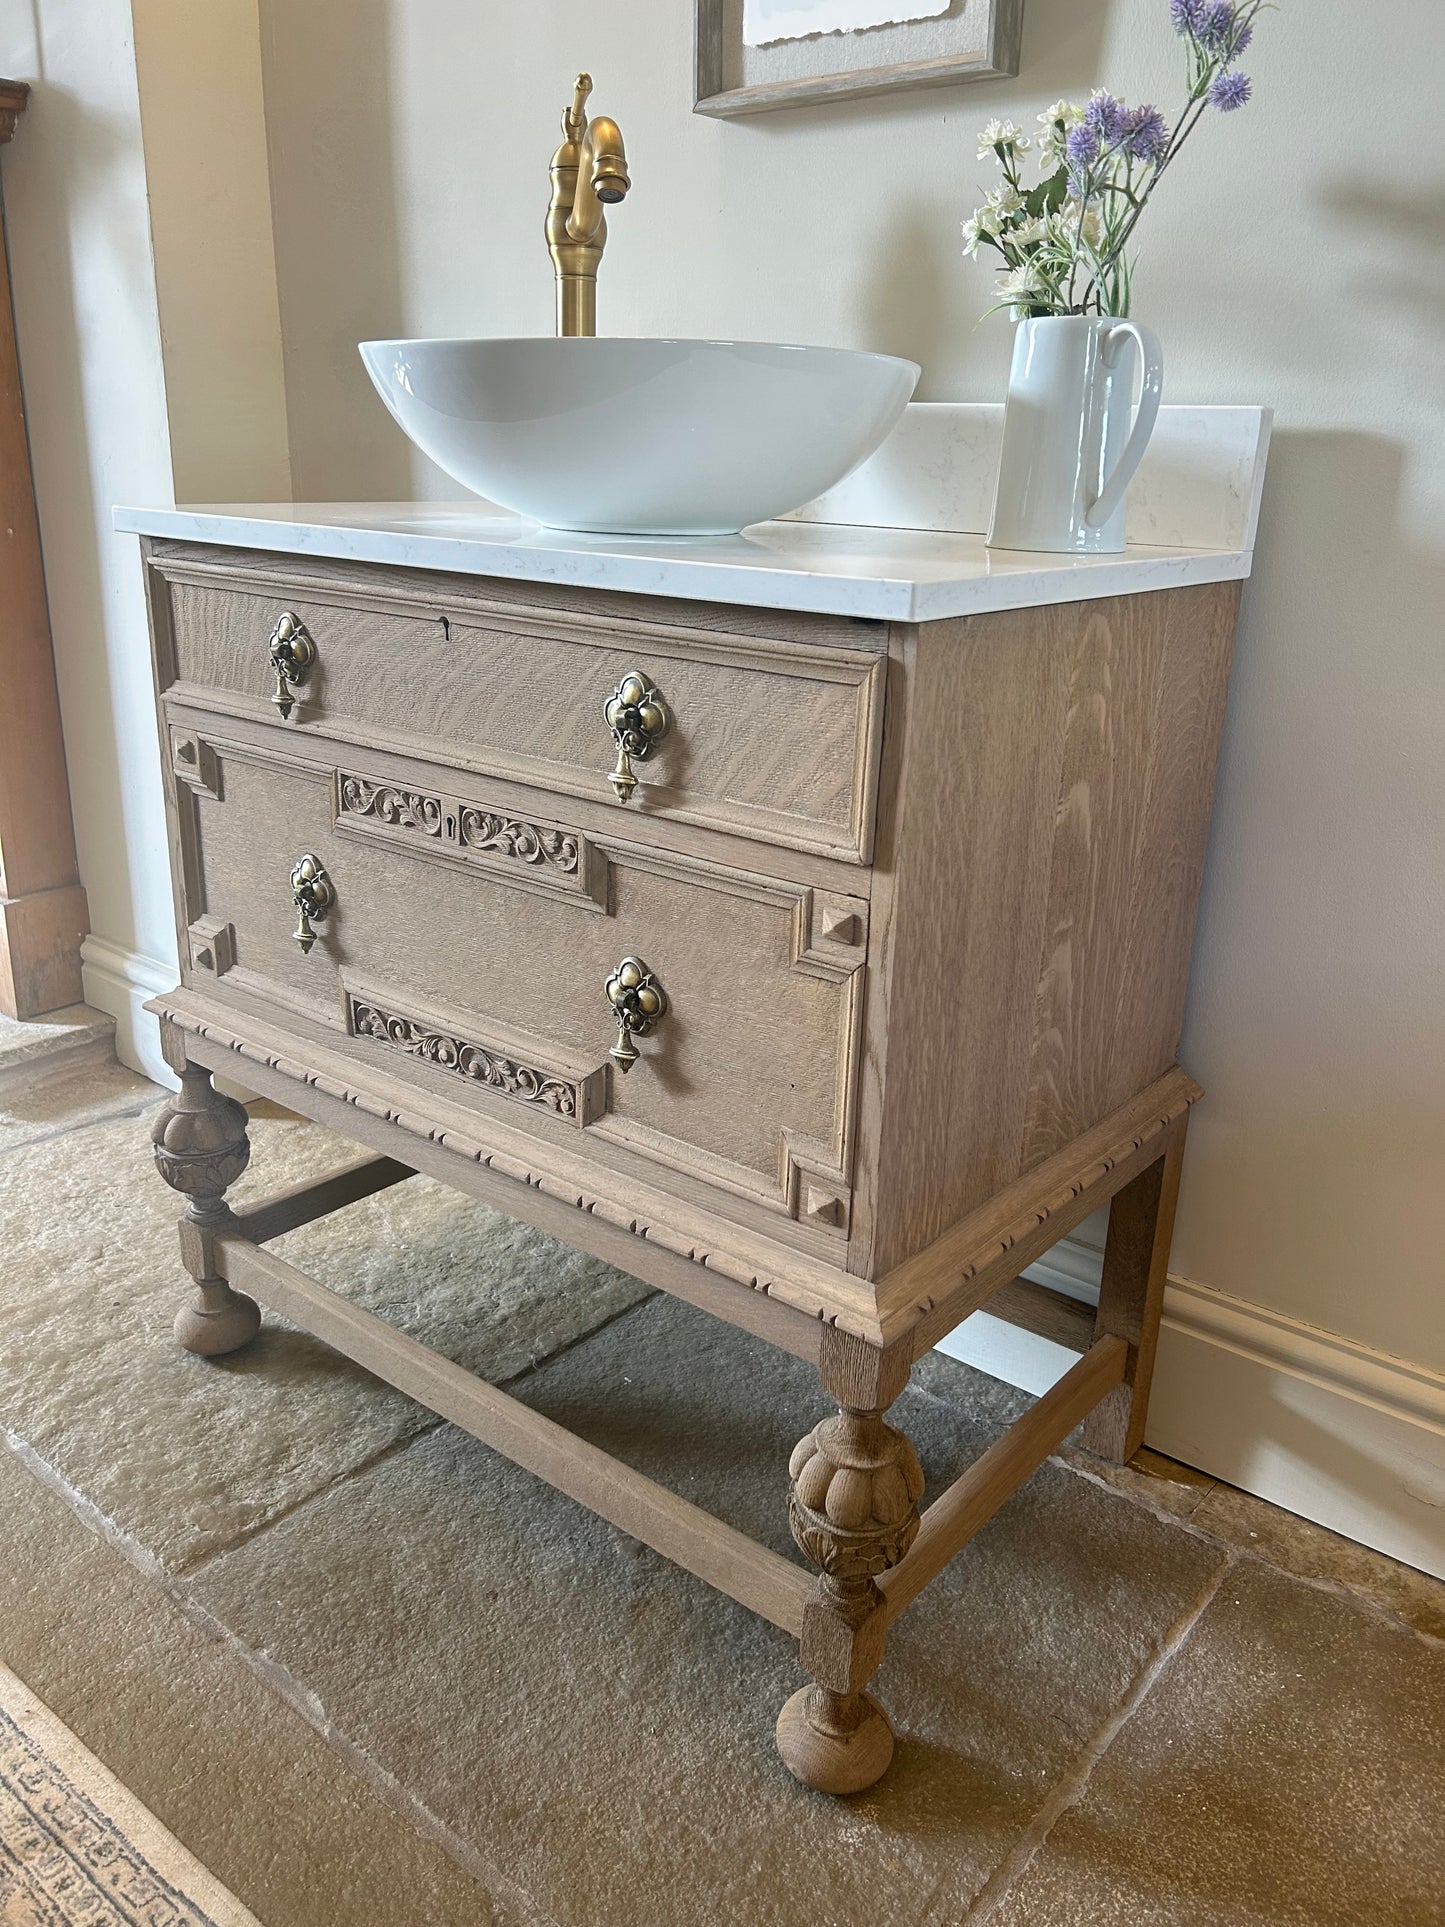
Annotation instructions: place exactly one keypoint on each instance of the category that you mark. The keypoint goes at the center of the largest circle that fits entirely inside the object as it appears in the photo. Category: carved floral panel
(445, 1048)
(510, 847)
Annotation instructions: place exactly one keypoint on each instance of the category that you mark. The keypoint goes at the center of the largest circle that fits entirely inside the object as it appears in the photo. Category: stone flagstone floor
(368, 1672)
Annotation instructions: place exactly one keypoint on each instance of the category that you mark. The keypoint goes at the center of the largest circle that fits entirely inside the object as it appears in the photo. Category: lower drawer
(468, 945)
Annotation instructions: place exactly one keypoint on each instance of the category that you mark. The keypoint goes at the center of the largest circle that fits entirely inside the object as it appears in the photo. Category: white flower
(1092, 228)
(1028, 232)
(1001, 203)
(974, 234)
(988, 220)
(1051, 141)
(1022, 288)
(1003, 134)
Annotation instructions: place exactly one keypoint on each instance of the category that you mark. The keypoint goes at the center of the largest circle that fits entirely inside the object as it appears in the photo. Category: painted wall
(137, 194)
(198, 71)
(1297, 257)
(91, 365)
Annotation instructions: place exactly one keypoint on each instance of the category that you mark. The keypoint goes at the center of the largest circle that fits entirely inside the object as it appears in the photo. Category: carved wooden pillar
(43, 914)
(853, 1509)
(201, 1147)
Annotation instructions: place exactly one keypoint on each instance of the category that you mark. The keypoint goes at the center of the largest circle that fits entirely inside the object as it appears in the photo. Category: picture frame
(971, 40)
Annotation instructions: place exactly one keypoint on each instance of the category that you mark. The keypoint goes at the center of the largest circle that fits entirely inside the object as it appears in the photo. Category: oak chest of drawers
(821, 971)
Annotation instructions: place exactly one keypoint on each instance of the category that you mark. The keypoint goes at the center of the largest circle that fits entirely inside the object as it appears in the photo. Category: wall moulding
(1346, 1436)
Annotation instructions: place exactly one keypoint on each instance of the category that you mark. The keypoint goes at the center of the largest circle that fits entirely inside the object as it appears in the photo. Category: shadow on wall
(1063, 48)
(325, 66)
(1327, 824)
(1413, 217)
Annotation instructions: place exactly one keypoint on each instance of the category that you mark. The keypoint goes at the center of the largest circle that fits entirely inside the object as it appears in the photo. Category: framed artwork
(754, 55)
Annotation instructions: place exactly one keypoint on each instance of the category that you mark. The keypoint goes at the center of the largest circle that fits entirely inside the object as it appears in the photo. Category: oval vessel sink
(641, 437)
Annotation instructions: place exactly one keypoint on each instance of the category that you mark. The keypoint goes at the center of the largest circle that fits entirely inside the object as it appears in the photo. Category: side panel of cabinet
(1045, 798)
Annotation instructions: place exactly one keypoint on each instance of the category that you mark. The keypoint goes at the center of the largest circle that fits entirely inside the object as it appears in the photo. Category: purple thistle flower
(1216, 25)
(1146, 134)
(1081, 144)
(1187, 15)
(1242, 39)
(1228, 91)
(1106, 116)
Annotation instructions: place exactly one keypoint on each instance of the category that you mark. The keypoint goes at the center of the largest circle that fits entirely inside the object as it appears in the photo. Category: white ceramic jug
(1069, 453)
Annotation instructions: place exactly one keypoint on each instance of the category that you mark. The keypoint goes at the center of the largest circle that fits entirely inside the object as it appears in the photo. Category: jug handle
(1151, 357)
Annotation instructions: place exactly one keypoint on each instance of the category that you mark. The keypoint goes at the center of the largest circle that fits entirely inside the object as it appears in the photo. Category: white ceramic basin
(641, 437)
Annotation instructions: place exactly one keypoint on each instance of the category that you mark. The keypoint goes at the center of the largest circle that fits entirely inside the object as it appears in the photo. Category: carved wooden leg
(1131, 1297)
(201, 1147)
(853, 1509)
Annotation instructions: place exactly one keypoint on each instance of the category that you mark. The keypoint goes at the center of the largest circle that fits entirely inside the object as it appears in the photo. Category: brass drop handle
(293, 657)
(314, 895)
(638, 719)
(639, 1003)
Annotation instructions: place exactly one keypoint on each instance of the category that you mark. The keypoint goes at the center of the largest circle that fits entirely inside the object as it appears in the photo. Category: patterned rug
(78, 1850)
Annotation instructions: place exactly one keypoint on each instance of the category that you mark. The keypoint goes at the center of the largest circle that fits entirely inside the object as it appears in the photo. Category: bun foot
(834, 1742)
(217, 1320)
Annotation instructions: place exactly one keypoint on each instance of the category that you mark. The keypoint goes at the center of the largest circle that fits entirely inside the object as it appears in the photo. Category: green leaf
(1048, 196)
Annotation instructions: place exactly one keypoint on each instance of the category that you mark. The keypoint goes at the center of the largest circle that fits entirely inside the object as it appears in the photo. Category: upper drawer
(769, 737)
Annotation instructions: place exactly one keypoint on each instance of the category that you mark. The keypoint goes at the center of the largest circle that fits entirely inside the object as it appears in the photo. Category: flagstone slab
(186, 1455)
(1286, 1770)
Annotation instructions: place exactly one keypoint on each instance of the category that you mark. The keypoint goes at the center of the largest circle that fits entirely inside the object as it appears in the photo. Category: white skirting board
(119, 982)
(1351, 1438)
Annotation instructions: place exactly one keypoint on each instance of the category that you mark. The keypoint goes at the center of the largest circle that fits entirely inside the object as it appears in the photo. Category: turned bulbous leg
(853, 1509)
(834, 1742)
(201, 1147)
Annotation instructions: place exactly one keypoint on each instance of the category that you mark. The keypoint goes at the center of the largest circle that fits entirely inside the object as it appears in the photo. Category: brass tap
(589, 170)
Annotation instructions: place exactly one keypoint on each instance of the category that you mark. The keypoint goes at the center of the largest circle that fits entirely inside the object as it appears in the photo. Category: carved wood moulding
(815, 1183)
(503, 844)
(575, 1098)
(830, 935)
(212, 944)
(195, 763)
(298, 1062)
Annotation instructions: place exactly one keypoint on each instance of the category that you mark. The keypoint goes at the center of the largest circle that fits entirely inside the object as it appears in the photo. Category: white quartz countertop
(833, 568)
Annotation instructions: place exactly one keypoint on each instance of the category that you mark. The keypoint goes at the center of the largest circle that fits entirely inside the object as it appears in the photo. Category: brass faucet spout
(601, 177)
(589, 172)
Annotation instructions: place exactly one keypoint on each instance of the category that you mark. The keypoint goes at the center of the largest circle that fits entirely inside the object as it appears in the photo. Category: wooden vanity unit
(869, 994)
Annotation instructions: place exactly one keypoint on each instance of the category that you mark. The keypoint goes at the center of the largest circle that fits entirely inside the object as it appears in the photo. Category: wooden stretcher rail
(316, 1197)
(1048, 1313)
(756, 1577)
(973, 1498)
